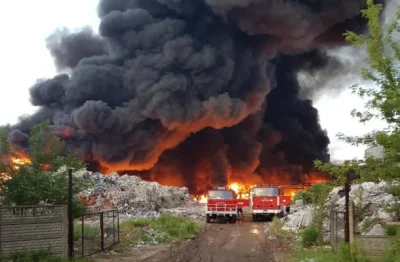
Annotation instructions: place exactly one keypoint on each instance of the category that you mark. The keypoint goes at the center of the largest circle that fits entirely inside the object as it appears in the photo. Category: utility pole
(70, 218)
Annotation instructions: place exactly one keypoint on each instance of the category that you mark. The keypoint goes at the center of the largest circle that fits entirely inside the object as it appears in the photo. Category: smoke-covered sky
(26, 57)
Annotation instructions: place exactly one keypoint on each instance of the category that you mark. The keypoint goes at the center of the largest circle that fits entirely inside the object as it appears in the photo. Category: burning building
(193, 92)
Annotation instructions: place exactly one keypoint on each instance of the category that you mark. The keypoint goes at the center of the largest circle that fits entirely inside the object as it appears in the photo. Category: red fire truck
(268, 201)
(221, 204)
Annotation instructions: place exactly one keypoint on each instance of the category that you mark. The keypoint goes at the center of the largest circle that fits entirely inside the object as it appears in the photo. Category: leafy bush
(392, 230)
(317, 194)
(304, 196)
(42, 179)
(320, 192)
(309, 236)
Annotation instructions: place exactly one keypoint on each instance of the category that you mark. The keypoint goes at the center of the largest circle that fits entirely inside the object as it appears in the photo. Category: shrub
(309, 236)
(317, 194)
(320, 192)
(392, 230)
(394, 190)
(304, 196)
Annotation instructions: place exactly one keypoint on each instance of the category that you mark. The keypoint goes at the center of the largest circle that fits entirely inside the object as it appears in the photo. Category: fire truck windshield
(220, 195)
(265, 191)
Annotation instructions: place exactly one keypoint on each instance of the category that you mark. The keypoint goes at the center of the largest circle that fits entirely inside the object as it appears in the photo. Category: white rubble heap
(371, 199)
(134, 197)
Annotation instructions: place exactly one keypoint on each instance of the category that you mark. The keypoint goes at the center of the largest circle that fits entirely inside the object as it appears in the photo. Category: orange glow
(241, 189)
(15, 162)
(201, 199)
(46, 166)
(20, 161)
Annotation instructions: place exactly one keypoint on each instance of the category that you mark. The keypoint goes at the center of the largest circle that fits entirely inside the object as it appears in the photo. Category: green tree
(44, 179)
(382, 99)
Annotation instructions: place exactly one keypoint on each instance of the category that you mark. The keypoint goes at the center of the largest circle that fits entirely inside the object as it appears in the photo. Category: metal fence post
(83, 236)
(118, 225)
(102, 231)
(113, 214)
(70, 219)
(346, 216)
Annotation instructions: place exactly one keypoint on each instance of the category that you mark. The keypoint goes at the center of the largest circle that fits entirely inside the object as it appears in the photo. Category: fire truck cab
(221, 204)
(268, 201)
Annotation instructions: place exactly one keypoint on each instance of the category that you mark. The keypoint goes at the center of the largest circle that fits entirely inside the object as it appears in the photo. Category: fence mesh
(95, 232)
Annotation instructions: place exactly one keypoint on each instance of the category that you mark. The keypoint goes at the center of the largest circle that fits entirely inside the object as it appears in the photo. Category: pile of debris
(134, 197)
(371, 204)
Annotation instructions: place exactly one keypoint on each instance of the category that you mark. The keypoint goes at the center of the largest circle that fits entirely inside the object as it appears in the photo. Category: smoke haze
(202, 91)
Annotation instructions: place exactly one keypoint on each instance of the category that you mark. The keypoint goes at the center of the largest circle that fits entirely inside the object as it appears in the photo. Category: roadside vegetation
(41, 179)
(382, 101)
(37, 256)
(146, 231)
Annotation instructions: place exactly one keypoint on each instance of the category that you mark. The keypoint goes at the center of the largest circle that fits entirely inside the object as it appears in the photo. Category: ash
(134, 197)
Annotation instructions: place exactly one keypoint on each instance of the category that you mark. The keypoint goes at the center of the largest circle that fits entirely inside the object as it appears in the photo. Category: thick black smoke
(69, 48)
(199, 90)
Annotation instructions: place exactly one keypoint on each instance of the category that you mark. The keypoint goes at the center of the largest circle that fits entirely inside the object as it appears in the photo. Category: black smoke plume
(193, 92)
(69, 48)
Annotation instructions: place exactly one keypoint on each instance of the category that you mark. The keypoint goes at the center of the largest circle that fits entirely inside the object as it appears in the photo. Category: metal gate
(337, 223)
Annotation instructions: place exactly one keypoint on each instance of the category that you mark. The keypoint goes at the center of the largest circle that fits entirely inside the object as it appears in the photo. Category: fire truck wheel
(233, 219)
(254, 217)
(208, 218)
(280, 215)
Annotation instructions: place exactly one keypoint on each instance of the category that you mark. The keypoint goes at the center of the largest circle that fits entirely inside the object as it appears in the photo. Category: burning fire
(16, 162)
(19, 161)
(242, 190)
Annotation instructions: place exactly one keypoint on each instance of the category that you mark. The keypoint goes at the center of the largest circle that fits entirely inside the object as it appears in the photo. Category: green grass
(166, 228)
(37, 256)
(90, 232)
(392, 230)
(322, 254)
(309, 236)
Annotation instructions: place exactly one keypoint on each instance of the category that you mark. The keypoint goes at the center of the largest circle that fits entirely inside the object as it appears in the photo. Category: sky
(25, 58)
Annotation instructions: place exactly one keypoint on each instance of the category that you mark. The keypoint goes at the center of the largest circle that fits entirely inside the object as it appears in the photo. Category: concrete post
(351, 221)
(64, 225)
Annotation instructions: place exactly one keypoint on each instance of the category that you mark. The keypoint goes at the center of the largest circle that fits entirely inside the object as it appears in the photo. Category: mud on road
(245, 241)
(220, 242)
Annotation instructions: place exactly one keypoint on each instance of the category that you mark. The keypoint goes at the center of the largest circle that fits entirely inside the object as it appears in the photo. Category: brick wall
(34, 228)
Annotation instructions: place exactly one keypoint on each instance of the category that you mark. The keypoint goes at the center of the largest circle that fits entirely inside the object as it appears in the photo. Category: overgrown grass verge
(323, 254)
(277, 231)
(90, 232)
(147, 231)
(347, 253)
(36, 256)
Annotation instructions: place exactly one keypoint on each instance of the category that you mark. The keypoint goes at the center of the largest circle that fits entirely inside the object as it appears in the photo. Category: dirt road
(219, 242)
(245, 241)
